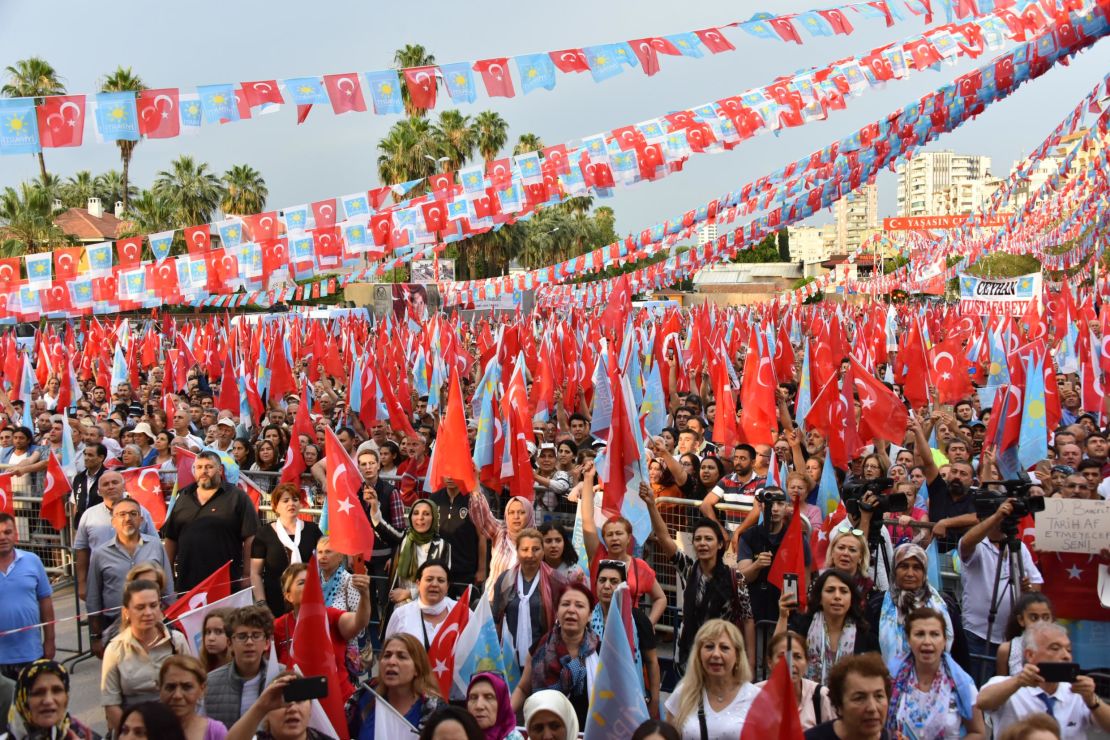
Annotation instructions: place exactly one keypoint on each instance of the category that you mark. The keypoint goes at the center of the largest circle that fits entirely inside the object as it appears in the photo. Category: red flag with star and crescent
(312, 650)
(54, 492)
(349, 528)
(7, 497)
(213, 588)
(145, 486)
(441, 653)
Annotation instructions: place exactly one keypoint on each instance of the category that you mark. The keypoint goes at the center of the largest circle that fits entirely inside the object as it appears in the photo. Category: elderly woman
(487, 700)
(524, 597)
(911, 590)
(519, 514)
(834, 624)
(41, 705)
(181, 684)
(405, 680)
(716, 692)
(813, 699)
(278, 545)
(131, 457)
(423, 617)
(931, 696)
(133, 658)
(548, 715)
(566, 658)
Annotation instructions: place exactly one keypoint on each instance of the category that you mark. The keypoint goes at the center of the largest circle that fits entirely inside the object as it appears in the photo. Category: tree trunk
(42, 167)
(126, 167)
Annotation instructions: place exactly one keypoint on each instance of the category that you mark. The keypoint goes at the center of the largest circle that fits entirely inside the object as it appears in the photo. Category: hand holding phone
(1058, 672)
(304, 689)
(790, 585)
(358, 566)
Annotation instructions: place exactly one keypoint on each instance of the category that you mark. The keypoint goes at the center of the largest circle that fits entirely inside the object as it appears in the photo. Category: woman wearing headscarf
(931, 697)
(41, 705)
(487, 700)
(910, 589)
(519, 514)
(418, 544)
(548, 715)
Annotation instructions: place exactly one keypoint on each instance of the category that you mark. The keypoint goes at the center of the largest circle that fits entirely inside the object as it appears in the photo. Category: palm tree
(149, 214)
(110, 188)
(123, 80)
(527, 143)
(491, 132)
(27, 216)
(192, 191)
(412, 55)
(456, 138)
(52, 186)
(78, 189)
(408, 151)
(33, 78)
(245, 191)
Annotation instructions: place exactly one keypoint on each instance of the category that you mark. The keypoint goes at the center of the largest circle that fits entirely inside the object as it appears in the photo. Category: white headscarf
(555, 702)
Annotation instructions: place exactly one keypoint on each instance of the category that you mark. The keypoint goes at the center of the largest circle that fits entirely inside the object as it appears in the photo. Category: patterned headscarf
(19, 718)
(406, 558)
(505, 722)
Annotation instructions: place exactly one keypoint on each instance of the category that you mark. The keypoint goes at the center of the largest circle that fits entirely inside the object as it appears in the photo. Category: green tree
(527, 143)
(33, 77)
(245, 191)
(408, 151)
(124, 80)
(110, 188)
(492, 134)
(784, 245)
(412, 55)
(78, 189)
(27, 215)
(766, 251)
(455, 138)
(149, 214)
(192, 191)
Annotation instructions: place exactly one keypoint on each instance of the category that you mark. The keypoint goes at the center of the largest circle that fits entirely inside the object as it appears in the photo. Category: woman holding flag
(405, 682)
(610, 575)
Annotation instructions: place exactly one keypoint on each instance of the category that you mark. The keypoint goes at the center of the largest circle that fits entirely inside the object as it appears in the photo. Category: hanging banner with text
(1074, 525)
(913, 223)
(998, 295)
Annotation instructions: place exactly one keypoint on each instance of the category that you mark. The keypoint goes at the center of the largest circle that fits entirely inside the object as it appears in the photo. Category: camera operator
(861, 517)
(1075, 705)
(980, 550)
(756, 551)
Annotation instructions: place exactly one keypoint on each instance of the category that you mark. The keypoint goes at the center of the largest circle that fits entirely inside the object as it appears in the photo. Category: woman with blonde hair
(716, 692)
(181, 684)
(405, 680)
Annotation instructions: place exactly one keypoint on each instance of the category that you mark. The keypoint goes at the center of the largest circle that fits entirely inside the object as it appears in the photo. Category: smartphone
(304, 689)
(790, 585)
(358, 565)
(1059, 672)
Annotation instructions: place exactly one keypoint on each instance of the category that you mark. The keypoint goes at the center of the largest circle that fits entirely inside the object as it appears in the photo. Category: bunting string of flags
(59, 121)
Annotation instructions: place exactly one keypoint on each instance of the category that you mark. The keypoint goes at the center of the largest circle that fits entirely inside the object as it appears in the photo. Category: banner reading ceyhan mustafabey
(995, 295)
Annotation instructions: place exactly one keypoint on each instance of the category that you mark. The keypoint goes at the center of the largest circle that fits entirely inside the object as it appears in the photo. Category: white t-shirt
(1070, 710)
(723, 725)
(252, 687)
(977, 575)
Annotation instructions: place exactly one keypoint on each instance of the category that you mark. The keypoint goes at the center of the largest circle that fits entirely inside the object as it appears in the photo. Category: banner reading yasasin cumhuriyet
(998, 295)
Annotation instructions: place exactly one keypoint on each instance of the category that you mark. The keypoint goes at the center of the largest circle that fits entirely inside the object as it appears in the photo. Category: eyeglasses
(125, 514)
(245, 637)
(845, 529)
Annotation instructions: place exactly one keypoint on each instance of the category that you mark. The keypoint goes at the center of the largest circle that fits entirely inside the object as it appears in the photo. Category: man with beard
(211, 523)
(951, 509)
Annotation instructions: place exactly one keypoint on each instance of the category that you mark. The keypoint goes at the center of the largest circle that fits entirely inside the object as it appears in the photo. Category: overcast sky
(201, 42)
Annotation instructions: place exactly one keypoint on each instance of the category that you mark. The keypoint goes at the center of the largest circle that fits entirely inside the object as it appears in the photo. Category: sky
(202, 42)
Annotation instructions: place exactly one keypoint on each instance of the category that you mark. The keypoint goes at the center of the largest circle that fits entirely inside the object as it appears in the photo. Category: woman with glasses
(132, 660)
(834, 624)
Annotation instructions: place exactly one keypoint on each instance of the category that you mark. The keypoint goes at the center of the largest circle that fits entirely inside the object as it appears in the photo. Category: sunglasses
(845, 529)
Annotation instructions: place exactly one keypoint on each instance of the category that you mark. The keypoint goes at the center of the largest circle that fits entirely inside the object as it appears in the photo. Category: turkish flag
(350, 530)
(262, 92)
(183, 460)
(312, 649)
(213, 588)
(441, 653)
(757, 397)
(950, 372)
(398, 419)
(837, 20)
(158, 113)
(198, 239)
(647, 54)
(66, 261)
(774, 712)
(791, 557)
(882, 415)
(324, 213)
(61, 120)
(714, 40)
(54, 491)
(451, 455)
(924, 53)
(55, 299)
(145, 486)
(345, 93)
(421, 82)
(130, 251)
(784, 27)
(435, 215)
(163, 279)
(570, 60)
(262, 226)
(495, 75)
(7, 498)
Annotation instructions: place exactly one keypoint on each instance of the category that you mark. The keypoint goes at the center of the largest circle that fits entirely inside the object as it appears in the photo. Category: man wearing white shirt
(1075, 706)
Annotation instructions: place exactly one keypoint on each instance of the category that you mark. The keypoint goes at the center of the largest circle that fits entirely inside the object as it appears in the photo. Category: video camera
(988, 498)
(887, 502)
(770, 495)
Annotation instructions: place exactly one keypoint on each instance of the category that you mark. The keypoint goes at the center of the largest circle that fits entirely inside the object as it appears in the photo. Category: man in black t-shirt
(468, 548)
(756, 552)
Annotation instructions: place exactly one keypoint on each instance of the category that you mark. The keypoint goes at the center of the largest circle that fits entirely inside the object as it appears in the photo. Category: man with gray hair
(1008, 699)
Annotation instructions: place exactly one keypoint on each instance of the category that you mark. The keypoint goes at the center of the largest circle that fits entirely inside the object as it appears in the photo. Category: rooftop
(84, 226)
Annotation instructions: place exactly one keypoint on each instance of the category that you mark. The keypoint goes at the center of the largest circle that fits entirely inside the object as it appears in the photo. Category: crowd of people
(875, 647)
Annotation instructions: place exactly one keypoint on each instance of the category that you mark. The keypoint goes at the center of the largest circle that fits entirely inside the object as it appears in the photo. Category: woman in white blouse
(423, 617)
